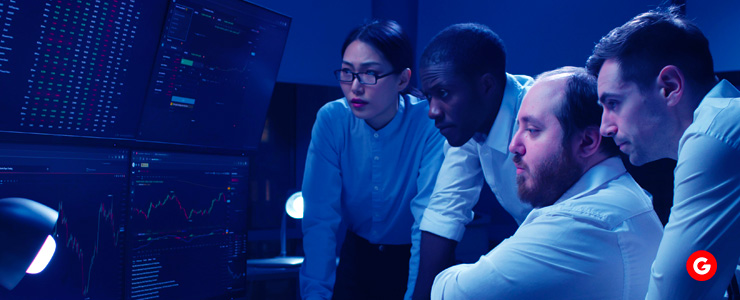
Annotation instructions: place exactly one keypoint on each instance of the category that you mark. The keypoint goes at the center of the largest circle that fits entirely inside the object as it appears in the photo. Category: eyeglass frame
(337, 73)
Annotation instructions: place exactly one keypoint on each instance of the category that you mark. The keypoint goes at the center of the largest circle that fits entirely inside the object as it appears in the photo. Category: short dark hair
(580, 108)
(390, 40)
(651, 41)
(471, 49)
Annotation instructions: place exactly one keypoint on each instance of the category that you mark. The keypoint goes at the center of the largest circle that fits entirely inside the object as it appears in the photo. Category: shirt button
(376, 135)
(377, 188)
(377, 158)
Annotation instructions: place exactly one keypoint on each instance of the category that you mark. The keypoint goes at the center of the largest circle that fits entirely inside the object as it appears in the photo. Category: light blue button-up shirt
(377, 182)
(706, 201)
(482, 158)
(596, 242)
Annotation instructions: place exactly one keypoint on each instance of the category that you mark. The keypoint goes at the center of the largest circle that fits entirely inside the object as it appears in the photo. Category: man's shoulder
(516, 87)
(608, 206)
(717, 116)
(417, 108)
(522, 80)
(469, 149)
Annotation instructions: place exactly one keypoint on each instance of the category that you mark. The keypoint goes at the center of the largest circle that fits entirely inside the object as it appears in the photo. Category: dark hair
(391, 41)
(471, 49)
(651, 41)
(580, 108)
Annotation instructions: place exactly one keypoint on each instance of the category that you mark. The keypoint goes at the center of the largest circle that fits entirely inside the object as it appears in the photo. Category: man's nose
(607, 128)
(434, 111)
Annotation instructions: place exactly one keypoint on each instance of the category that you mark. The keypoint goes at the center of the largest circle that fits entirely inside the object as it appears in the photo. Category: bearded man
(592, 234)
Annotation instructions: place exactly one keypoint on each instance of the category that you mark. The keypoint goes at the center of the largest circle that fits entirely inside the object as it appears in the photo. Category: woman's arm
(428, 169)
(322, 187)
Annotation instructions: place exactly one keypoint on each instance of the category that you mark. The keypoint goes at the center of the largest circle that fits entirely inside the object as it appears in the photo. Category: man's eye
(443, 93)
(346, 71)
(610, 104)
(371, 72)
(532, 131)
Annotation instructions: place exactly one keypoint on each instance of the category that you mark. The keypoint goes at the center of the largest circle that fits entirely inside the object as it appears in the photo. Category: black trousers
(371, 271)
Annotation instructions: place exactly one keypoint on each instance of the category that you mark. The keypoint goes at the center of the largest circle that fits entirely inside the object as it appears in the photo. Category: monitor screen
(214, 73)
(89, 189)
(190, 72)
(76, 67)
(186, 236)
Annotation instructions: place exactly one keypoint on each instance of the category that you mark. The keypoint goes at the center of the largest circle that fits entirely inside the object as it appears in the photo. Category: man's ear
(487, 83)
(672, 84)
(588, 142)
(403, 79)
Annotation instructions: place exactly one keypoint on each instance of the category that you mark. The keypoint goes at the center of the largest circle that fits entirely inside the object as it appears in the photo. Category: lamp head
(294, 205)
(25, 226)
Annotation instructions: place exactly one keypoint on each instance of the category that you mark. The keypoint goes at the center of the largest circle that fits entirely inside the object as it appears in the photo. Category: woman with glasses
(372, 164)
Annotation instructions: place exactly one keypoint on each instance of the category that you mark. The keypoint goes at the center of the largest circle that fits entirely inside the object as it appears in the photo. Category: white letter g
(704, 268)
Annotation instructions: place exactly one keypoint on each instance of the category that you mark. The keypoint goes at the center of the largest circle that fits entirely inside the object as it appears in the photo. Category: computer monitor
(76, 68)
(186, 237)
(213, 74)
(89, 189)
(184, 72)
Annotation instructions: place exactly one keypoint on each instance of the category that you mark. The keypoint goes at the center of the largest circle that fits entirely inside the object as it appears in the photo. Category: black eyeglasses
(367, 77)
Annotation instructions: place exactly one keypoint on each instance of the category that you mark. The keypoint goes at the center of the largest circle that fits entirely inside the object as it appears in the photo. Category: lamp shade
(294, 205)
(24, 227)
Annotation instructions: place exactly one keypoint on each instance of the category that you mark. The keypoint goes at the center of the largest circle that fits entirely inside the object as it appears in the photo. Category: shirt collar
(514, 91)
(724, 89)
(598, 175)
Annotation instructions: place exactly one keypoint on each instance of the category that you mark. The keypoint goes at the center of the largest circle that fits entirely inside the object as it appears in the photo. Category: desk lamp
(294, 209)
(27, 246)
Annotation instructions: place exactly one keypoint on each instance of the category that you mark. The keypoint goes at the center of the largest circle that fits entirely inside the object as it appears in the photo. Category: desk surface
(260, 273)
(276, 262)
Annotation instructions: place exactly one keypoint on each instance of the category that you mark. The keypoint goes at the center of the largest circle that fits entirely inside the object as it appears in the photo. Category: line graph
(185, 213)
(173, 197)
(89, 189)
(187, 239)
(73, 243)
(235, 275)
(188, 201)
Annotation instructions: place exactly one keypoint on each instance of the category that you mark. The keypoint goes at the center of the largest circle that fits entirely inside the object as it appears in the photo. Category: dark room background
(539, 35)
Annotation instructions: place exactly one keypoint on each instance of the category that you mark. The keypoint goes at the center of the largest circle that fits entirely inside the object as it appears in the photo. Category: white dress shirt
(377, 182)
(461, 176)
(596, 242)
(706, 201)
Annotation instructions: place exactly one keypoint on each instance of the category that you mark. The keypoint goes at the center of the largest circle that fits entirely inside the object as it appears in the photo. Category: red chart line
(220, 198)
(74, 243)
